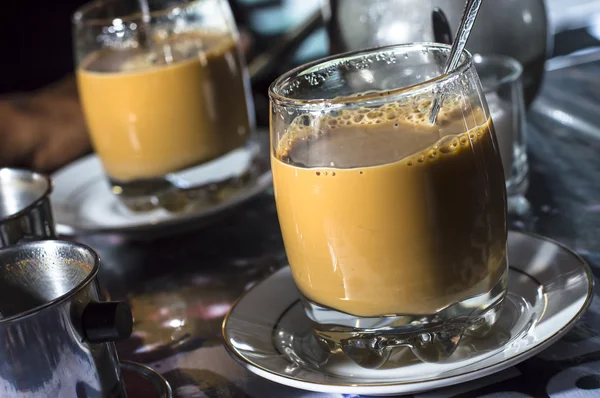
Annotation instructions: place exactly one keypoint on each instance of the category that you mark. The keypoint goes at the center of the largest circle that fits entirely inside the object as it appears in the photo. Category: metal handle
(107, 321)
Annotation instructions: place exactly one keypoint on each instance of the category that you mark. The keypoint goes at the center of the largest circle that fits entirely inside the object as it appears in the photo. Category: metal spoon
(462, 35)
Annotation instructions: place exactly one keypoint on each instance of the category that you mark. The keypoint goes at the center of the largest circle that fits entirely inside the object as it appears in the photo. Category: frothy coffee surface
(383, 213)
(371, 137)
(155, 111)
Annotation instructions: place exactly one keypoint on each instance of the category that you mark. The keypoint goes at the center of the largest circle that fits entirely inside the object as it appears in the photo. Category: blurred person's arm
(43, 130)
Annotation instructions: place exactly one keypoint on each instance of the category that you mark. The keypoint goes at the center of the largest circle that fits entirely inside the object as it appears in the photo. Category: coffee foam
(415, 112)
(447, 145)
(409, 113)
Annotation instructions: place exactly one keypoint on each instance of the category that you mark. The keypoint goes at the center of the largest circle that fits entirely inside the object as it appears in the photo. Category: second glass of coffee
(394, 227)
(165, 92)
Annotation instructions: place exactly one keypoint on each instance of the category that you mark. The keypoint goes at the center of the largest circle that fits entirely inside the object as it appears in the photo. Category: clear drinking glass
(395, 229)
(165, 94)
(501, 78)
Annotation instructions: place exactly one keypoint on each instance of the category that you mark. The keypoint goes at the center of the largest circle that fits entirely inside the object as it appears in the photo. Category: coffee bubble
(411, 114)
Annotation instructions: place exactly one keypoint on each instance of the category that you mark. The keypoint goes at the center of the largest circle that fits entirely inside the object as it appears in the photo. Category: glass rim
(79, 16)
(510, 63)
(281, 99)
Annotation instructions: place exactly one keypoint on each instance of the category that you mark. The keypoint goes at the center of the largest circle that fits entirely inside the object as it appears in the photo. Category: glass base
(518, 182)
(518, 206)
(432, 338)
(194, 187)
(517, 185)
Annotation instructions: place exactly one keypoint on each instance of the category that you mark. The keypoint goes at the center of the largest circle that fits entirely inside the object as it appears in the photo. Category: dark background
(35, 37)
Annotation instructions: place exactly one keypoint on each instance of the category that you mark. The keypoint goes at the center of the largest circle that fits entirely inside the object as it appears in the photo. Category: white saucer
(83, 203)
(550, 287)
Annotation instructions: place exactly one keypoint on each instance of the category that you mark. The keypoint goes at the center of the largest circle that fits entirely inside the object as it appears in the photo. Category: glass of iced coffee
(165, 92)
(394, 227)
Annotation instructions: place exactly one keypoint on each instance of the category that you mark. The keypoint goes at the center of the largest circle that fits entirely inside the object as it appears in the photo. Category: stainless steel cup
(25, 212)
(56, 334)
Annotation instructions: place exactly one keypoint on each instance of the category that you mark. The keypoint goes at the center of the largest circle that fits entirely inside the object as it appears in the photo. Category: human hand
(43, 130)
